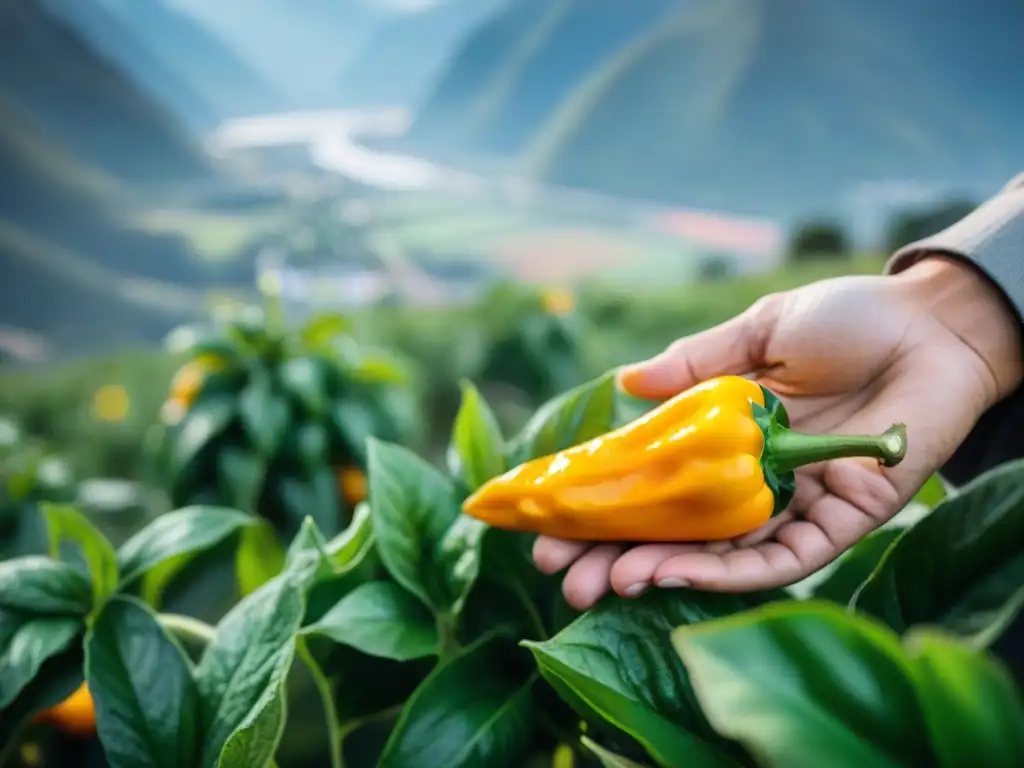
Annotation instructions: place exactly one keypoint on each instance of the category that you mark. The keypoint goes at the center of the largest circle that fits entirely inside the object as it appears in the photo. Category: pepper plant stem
(188, 629)
(787, 450)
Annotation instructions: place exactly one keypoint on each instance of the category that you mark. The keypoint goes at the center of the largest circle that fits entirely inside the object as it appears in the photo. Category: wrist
(970, 306)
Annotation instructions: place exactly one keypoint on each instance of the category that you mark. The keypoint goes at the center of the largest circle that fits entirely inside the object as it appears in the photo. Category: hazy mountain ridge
(122, 48)
(771, 108)
(85, 103)
(402, 58)
(200, 58)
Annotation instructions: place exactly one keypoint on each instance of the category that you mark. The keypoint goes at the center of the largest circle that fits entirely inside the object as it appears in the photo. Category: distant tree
(819, 239)
(912, 224)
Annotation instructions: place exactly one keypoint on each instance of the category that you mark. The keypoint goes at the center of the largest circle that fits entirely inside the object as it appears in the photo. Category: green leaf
(254, 743)
(380, 618)
(56, 679)
(265, 414)
(141, 682)
(379, 369)
(574, 417)
(252, 653)
(972, 708)
(458, 557)
(193, 341)
(259, 558)
(472, 711)
(856, 566)
(176, 537)
(354, 423)
(241, 474)
(961, 567)
(26, 642)
(66, 523)
(311, 443)
(310, 544)
(412, 507)
(607, 758)
(932, 493)
(323, 328)
(206, 421)
(347, 548)
(316, 496)
(41, 586)
(303, 379)
(807, 684)
(477, 447)
(617, 661)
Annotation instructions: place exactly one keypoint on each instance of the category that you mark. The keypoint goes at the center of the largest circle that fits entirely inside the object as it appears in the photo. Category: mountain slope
(200, 58)
(299, 48)
(117, 44)
(555, 44)
(405, 54)
(770, 108)
(85, 103)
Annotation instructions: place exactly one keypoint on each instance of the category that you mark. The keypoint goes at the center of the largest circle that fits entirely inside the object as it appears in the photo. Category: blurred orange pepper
(75, 715)
(352, 482)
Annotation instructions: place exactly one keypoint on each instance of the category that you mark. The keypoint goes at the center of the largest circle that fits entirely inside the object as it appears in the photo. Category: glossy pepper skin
(714, 462)
(76, 715)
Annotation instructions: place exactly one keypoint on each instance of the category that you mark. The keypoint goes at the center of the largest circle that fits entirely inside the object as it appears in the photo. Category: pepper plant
(273, 419)
(433, 641)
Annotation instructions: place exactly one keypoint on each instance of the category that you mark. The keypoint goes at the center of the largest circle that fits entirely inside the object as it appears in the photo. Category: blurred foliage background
(520, 192)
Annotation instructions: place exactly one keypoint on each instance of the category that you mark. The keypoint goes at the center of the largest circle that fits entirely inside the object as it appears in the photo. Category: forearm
(991, 241)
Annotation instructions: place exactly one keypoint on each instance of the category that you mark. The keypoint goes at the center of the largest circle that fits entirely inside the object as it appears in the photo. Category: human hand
(932, 347)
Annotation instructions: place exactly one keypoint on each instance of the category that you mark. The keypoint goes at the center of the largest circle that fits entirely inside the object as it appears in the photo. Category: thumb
(735, 347)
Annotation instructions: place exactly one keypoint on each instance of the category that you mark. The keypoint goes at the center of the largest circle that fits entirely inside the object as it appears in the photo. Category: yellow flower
(558, 302)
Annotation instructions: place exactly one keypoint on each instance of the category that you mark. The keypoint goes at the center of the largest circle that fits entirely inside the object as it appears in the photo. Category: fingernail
(673, 583)
(636, 589)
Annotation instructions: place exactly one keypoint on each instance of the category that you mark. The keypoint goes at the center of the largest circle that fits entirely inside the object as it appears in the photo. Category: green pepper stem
(787, 450)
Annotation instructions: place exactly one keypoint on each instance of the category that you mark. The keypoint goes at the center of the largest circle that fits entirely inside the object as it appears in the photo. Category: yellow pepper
(714, 462)
(75, 715)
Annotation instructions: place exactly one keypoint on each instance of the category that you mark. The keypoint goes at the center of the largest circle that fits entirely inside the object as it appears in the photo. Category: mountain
(299, 46)
(85, 103)
(70, 266)
(769, 108)
(120, 46)
(402, 58)
(200, 58)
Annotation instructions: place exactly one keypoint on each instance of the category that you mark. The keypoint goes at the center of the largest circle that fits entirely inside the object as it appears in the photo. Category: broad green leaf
(932, 493)
(961, 567)
(617, 659)
(265, 413)
(241, 474)
(252, 653)
(307, 540)
(303, 379)
(807, 684)
(971, 706)
(314, 495)
(354, 424)
(345, 549)
(178, 536)
(379, 369)
(458, 557)
(472, 711)
(574, 417)
(207, 420)
(607, 758)
(41, 586)
(193, 341)
(477, 450)
(66, 523)
(141, 682)
(856, 566)
(255, 741)
(381, 619)
(56, 679)
(26, 642)
(259, 558)
(412, 507)
(323, 328)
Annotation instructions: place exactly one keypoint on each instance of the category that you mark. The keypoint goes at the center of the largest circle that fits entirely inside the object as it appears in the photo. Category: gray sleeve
(992, 239)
